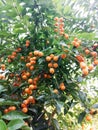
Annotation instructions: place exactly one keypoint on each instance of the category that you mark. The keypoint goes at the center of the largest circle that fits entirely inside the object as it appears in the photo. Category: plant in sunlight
(42, 67)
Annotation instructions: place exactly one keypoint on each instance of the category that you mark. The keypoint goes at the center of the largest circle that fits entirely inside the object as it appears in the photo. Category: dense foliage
(42, 67)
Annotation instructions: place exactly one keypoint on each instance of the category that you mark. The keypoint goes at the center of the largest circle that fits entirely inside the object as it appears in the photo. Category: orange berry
(50, 65)
(27, 42)
(94, 53)
(55, 91)
(28, 65)
(14, 53)
(56, 18)
(31, 67)
(32, 62)
(30, 98)
(62, 87)
(87, 51)
(23, 105)
(96, 62)
(30, 81)
(30, 54)
(52, 56)
(25, 110)
(36, 53)
(75, 39)
(27, 90)
(66, 36)
(13, 108)
(32, 87)
(51, 70)
(24, 77)
(28, 74)
(63, 56)
(55, 58)
(61, 19)
(26, 102)
(90, 67)
(82, 65)
(40, 54)
(88, 118)
(55, 65)
(48, 58)
(6, 111)
(85, 71)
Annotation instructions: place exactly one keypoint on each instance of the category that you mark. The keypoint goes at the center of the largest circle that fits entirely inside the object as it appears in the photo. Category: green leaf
(2, 89)
(15, 115)
(82, 96)
(56, 124)
(59, 106)
(81, 116)
(95, 106)
(8, 102)
(25, 128)
(15, 124)
(3, 125)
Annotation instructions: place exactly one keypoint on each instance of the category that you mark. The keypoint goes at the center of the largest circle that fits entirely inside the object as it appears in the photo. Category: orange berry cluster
(24, 105)
(62, 86)
(59, 27)
(52, 63)
(76, 42)
(11, 108)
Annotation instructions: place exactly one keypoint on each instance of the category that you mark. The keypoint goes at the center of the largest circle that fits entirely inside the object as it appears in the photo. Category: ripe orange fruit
(94, 53)
(26, 102)
(30, 54)
(62, 87)
(55, 91)
(88, 118)
(40, 54)
(28, 65)
(50, 65)
(51, 70)
(28, 74)
(30, 98)
(55, 58)
(30, 81)
(6, 111)
(56, 19)
(36, 53)
(27, 90)
(61, 19)
(87, 51)
(32, 87)
(66, 36)
(63, 56)
(25, 109)
(90, 67)
(23, 105)
(52, 56)
(96, 62)
(31, 67)
(27, 42)
(80, 58)
(48, 58)
(24, 77)
(85, 71)
(75, 39)
(82, 65)
(55, 65)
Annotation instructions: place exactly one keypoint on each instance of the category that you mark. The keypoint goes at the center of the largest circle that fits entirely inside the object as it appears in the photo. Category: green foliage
(33, 21)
